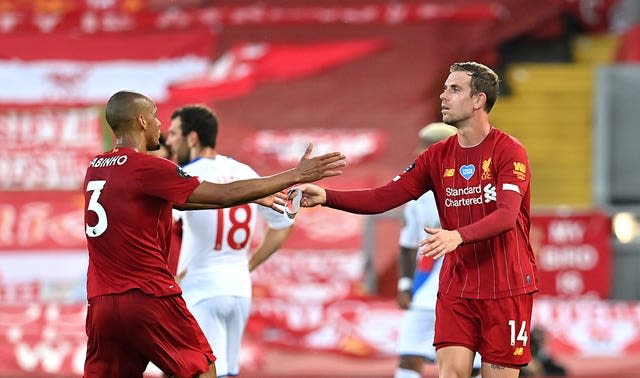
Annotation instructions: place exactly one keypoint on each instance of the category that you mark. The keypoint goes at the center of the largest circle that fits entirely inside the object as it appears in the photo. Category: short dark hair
(202, 120)
(123, 107)
(483, 80)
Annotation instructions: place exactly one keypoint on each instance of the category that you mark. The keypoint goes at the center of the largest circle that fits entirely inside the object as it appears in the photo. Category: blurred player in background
(177, 142)
(214, 260)
(418, 282)
(481, 182)
(541, 364)
(136, 313)
(180, 152)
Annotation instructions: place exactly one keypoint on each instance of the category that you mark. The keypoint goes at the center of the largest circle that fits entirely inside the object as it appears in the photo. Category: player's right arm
(273, 239)
(406, 269)
(408, 242)
(359, 201)
(408, 185)
(242, 191)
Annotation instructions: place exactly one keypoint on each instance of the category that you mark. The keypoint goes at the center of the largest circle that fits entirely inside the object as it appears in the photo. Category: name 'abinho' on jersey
(108, 162)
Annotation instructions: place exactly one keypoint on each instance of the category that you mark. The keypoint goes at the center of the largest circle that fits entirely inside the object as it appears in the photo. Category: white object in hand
(291, 208)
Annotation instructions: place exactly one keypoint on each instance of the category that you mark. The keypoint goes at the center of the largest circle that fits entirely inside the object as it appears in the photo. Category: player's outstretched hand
(312, 169)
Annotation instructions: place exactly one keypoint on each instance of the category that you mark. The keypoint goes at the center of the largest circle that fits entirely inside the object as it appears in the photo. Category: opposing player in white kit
(419, 276)
(214, 257)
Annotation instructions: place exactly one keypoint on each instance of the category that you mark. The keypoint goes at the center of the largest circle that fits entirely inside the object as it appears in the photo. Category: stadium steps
(549, 111)
(595, 49)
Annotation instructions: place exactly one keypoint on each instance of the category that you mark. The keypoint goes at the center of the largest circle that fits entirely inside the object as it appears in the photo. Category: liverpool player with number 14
(480, 178)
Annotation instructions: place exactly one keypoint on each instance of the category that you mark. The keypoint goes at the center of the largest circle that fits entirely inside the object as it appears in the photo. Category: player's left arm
(195, 206)
(512, 182)
(273, 239)
(408, 185)
(274, 202)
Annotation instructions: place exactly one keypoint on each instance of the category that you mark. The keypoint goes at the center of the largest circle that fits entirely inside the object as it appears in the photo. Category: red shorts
(128, 330)
(498, 329)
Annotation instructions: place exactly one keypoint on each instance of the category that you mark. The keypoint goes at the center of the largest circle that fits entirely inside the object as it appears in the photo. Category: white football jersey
(215, 243)
(419, 214)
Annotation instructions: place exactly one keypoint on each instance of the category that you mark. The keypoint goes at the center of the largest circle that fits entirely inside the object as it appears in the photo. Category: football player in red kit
(136, 313)
(480, 178)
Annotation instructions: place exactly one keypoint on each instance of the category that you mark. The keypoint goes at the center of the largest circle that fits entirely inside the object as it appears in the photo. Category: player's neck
(129, 141)
(473, 134)
(207, 152)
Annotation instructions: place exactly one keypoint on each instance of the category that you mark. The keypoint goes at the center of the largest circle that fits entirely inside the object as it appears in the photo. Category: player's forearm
(242, 191)
(196, 206)
(368, 201)
(406, 262)
(267, 202)
(501, 220)
(272, 241)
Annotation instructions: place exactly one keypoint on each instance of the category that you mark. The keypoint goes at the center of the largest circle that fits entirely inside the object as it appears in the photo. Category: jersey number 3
(96, 188)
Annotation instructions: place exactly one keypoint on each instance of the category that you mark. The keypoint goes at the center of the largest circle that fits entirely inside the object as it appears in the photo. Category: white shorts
(415, 335)
(223, 319)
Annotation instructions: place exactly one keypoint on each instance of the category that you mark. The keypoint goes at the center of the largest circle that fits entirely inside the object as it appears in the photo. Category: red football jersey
(466, 183)
(128, 201)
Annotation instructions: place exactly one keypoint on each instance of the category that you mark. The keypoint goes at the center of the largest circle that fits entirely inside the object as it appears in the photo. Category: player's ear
(142, 121)
(479, 100)
(192, 139)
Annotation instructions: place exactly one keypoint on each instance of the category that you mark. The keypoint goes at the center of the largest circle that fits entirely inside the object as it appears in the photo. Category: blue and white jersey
(419, 214)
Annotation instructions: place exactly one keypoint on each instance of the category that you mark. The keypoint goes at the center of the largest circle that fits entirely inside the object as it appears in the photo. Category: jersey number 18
(239, 233)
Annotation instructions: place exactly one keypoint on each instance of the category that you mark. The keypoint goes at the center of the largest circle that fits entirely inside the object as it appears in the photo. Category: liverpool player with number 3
(214, 257)
(480, 178)
(136, 313)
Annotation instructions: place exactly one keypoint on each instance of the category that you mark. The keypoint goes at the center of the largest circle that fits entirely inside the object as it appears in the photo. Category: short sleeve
(164, 179)
(514, 172)
(274, 219)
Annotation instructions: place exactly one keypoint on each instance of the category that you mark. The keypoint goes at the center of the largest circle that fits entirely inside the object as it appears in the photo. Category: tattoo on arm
(497, 367)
